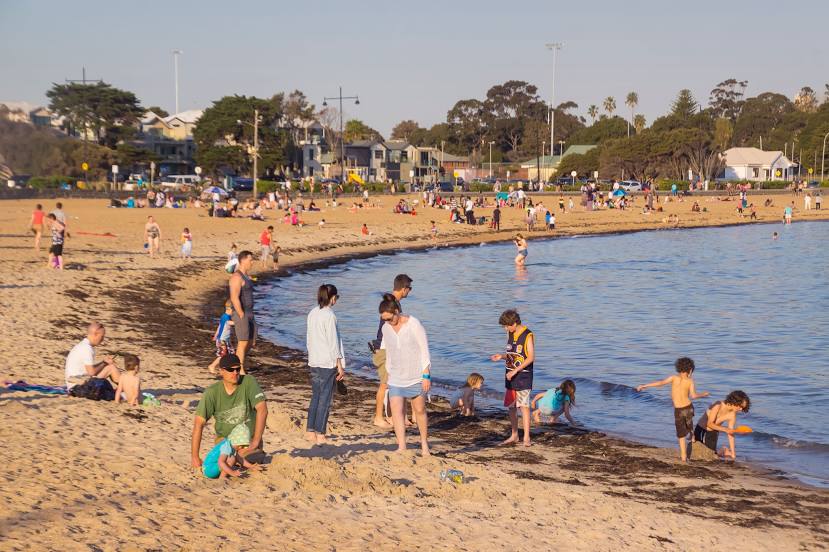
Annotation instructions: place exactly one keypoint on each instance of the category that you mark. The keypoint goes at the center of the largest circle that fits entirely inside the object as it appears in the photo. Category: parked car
(813, 184)
(630, 185)
(241, 184)
(180, 181)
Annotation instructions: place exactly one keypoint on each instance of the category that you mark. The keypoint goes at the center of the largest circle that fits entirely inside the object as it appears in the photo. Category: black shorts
(684, 420)
(56, 249)
(706, 437)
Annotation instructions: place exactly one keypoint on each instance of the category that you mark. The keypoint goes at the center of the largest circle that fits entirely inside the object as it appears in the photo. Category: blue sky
(413, 60)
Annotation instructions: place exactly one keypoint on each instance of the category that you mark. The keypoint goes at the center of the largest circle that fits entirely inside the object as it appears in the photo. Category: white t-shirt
(407, 353)
(81, 356)
(470, 205)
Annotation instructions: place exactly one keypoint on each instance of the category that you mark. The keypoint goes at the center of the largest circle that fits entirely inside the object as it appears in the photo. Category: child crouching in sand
(463, 399)
(682, 387)
(219, 462)
(722, 412)
(555, 402)
(129, 385)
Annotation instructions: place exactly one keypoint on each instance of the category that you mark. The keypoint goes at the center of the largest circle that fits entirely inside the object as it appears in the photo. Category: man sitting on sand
(80, 362)
(234, 400)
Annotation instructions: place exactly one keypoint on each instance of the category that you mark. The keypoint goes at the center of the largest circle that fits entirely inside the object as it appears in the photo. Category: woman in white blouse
(326, 361)
(409, 368)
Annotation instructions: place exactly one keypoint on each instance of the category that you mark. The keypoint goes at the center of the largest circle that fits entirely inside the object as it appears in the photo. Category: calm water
(613, 312)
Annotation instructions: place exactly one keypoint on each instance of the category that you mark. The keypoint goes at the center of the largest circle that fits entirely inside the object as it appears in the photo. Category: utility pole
(555, 47)
(176, 54)
(490, 159)
(255, 151)
(84, 82)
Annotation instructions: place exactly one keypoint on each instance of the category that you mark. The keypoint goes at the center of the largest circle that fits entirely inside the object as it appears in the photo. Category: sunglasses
(234, 369)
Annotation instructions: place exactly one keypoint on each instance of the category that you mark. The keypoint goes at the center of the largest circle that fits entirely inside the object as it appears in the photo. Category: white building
(757, 165)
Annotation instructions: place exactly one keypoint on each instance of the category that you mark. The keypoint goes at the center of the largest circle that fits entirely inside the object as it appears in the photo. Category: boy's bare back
(130, 385)
(681, 390)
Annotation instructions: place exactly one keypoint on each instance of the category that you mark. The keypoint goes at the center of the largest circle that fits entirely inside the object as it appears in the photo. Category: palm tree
(639, 123)
(609, 105)
(593, 111)
(632, 100)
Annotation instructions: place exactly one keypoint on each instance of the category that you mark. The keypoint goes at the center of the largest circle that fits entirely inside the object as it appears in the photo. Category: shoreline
(584, 487)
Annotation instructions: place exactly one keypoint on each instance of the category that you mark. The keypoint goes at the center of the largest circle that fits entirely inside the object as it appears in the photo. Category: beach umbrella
(619, 192)
(214, 190)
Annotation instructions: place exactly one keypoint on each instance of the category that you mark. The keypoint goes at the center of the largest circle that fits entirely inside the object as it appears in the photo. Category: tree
(593, 112)
(639, 123)
(298, 112)
(632, 100)
(601, 131)
(222, 142)
(759, 117)
(160, 111)
(507, 108)
(609, 105)
(467, 124)
(582, 163)
(684, 106)
(723, 132)
(112, 114)
(726, 98)
(404, 130)
(355, 130)
(806, 100)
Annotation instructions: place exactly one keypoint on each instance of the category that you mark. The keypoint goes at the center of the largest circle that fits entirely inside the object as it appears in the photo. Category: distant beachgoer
(58, 231)
(80, 362)
(555, 402)
(265, 239)
(241, 297)
(186, 244)
(463, 399)
(683, 391)
(807, 201)
(434, 232)
(37, 224)
(401, 288)
(818, 199)
(711, 423)
(570, 205)
(496, 218)
(775, 236)
(58, 212)
(221, 337)
(518, 382)
(326, 361)
(409, 368)
(521, 244)
(129, 384)
(152, 236)
(787, 214)
(364, 230)
(236, 399)
(561, 203)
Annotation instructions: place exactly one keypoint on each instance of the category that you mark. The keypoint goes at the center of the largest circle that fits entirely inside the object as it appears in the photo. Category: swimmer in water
(521, 244)
(775, 236)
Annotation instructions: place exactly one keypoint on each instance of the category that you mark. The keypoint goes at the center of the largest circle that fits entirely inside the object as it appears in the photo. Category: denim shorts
(410, 392)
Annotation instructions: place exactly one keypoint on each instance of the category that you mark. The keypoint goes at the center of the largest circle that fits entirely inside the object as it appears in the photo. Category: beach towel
(21, 385)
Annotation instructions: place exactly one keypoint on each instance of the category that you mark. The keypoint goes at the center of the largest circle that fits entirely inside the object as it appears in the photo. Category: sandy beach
(100, 476)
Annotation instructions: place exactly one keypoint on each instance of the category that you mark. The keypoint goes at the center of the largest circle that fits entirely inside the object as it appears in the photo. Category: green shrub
(50, 182)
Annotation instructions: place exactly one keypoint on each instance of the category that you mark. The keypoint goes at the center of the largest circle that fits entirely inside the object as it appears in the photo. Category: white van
(180, 181)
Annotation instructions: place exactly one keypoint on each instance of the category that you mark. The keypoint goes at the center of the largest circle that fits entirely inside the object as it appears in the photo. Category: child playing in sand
(682, 387)
(463, 399)
(722, 412)
(222, 337)
(129, 385)
(186, 244)
(434, 232)
(555, 402)
(364, 230)
(219, 462)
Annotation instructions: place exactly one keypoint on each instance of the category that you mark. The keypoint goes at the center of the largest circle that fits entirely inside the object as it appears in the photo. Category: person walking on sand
(80, 362)
(401, 288)
(152, 236)
(265, 239)
(186, 244)
(58, 230)
(37, 224)
(326, 361)
(409, 368)
(241, 297)
(518, 359)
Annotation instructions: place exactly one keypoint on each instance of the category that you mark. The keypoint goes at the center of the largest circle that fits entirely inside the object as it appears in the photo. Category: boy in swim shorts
(682, 387)
(713, 422)
(518, 380)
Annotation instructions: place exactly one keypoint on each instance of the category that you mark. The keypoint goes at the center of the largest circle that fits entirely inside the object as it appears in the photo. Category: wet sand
(108, 477)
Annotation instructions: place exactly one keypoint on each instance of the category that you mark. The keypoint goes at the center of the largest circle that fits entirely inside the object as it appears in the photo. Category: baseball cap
(229, 361)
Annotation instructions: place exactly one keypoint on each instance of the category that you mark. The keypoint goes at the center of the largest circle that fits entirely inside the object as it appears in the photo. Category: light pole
(490, 159)
(823, 157)
(555, 47)
(255, 126)
(340, 97)
(176, 54)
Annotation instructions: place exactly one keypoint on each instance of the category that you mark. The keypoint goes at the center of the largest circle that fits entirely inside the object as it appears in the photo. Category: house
(756, 164)
(171, 140)
(425, 165)
(398, 163)
(549, 166)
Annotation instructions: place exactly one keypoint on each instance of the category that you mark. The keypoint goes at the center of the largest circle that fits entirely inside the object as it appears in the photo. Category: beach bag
(95, 389)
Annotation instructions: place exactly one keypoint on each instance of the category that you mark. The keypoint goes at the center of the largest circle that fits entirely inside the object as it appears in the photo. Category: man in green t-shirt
(234, 400)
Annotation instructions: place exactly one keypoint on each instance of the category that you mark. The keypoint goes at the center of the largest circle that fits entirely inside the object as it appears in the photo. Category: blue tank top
(516, 354)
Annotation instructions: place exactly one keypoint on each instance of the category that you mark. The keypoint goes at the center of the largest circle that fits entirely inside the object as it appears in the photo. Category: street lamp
(176, 54)
(490, 159)
(340, 97)
(555, 47)
(255, 126)
(823, 157)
